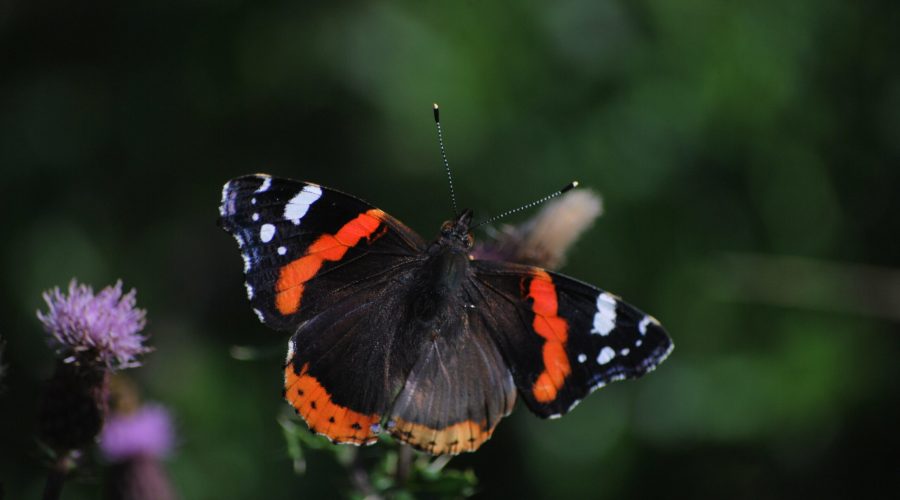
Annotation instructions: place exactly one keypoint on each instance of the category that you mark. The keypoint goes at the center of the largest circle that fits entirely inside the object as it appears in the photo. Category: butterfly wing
(457, 391)
(345, 364)
(305, 247)
(333, 271)
(562, 338)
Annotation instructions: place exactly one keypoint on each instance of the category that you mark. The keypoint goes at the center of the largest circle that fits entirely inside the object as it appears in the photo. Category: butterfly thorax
(455, 234)
(445, 271)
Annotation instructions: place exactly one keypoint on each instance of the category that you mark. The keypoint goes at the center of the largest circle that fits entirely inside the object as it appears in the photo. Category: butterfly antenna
(437, 121)
(550, 196)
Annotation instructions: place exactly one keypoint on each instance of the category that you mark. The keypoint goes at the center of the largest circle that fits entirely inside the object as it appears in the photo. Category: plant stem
(404, 463)
(360, 478)
(57, 476)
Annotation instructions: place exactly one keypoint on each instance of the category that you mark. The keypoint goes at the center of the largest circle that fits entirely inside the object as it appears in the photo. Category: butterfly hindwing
(302, 245)
(345, 364)
(562, 338)
(373, 362)
(458, 390)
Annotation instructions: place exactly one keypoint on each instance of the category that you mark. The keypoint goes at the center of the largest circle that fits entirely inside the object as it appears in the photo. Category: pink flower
(102, 329)
(145, 433)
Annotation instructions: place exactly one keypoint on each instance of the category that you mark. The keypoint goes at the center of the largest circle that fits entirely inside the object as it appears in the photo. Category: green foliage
(387, 470)
(746, 152)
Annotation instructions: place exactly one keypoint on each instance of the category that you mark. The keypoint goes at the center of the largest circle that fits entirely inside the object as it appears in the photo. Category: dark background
(746, 151)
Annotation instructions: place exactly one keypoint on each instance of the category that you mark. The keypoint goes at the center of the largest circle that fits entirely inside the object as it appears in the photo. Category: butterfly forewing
(563, 338)
(304, 246)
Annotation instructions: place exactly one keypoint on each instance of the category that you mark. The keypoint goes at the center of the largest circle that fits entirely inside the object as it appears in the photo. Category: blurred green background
(747, 154)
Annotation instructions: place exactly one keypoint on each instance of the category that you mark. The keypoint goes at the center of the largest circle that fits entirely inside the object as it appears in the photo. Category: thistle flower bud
(135, 444)
(73, 406)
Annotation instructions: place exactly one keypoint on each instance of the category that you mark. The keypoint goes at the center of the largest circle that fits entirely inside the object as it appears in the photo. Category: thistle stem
(57, 476)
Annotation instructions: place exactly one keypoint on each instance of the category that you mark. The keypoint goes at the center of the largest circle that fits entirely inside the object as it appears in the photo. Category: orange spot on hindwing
(313, 402)
(328, 247)
(450, 440)
(555, 331)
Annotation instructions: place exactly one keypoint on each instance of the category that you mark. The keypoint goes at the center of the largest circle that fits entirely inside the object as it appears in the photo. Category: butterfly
(391, 333)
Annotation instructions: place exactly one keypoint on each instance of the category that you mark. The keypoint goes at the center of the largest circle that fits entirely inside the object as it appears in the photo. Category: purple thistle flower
(102, 328)
(146, 433)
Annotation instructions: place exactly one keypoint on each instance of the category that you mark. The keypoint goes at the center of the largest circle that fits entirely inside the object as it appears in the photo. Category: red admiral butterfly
(392, 333)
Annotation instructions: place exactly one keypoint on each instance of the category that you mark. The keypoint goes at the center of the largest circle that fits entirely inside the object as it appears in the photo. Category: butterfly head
(456, 232)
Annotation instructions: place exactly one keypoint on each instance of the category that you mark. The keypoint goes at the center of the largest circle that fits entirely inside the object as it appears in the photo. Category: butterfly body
(421, 340)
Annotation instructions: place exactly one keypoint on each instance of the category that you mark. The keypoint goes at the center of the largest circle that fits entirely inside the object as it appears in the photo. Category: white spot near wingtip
(642, 326)
(266, 232)
(282, 250)
(624, 352)
(249, 290)
(259, 315)
(606, 355)
(223, 206)
(267, 183)
(582, 358)
(297, 207)
(255, 217)
(605, 317)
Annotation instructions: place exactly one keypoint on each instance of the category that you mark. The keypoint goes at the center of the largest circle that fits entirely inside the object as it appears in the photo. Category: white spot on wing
(300, 203)
(249, 290)
(642, 326)
(638, 342)
(290, 353)
(282, 250)
(606, 355)
(624, 352)
(266, 232)
(246, 262)
(582, 358)
(599, 385)
(225, 189)
(259, 315)
(605, 317)
(255, 217)
(267, 183)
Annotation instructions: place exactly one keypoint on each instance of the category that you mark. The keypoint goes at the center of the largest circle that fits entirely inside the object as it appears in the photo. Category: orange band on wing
(555, 331)
(313, 403)
(328, 247)
(451, 440)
